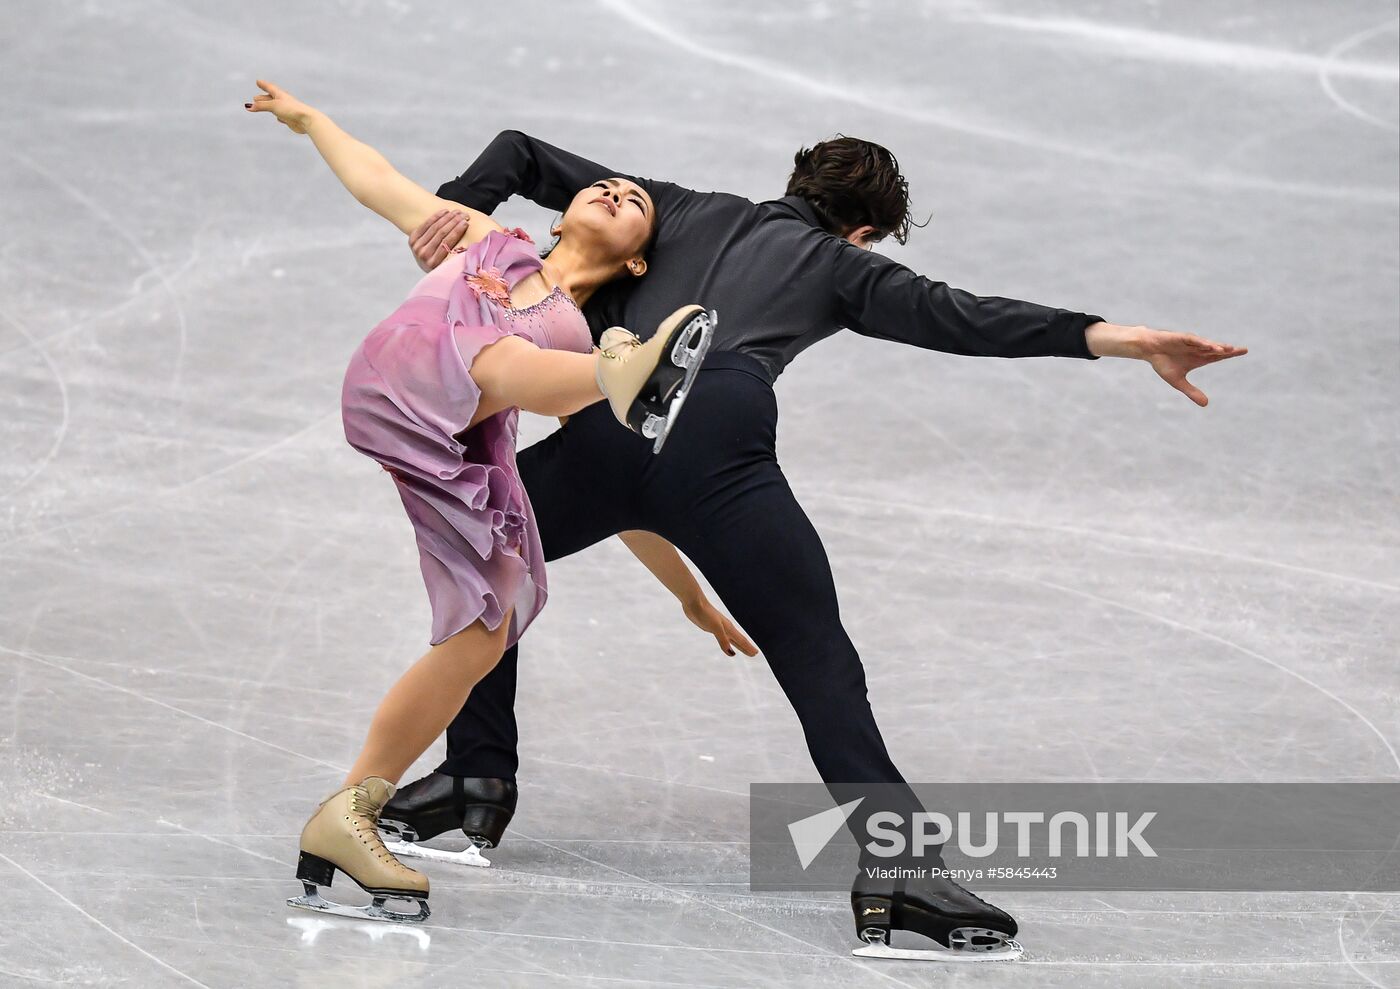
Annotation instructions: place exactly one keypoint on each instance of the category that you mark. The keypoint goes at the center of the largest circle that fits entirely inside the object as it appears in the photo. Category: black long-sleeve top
(777, 280)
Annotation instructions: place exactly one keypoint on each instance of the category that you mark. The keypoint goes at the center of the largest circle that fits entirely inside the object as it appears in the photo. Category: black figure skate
(438, 803)
(966, 928)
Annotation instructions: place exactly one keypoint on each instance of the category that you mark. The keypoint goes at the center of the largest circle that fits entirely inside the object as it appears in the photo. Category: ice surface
(1060, 570)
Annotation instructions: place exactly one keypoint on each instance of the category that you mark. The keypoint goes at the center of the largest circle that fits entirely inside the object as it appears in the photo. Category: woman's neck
(576, 271)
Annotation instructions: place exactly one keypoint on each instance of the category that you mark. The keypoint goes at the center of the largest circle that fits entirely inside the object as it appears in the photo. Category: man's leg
(727, 505)
(767, 563)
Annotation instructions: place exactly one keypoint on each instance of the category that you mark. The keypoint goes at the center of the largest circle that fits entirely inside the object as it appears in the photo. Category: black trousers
(717, 493)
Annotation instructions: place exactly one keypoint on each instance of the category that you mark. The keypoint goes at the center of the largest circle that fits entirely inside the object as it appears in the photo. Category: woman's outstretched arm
(363, 170)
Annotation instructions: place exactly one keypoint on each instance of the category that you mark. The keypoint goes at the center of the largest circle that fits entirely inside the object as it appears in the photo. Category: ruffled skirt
(406, 398)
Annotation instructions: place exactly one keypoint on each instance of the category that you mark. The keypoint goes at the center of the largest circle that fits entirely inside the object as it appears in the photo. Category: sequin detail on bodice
(553, 323)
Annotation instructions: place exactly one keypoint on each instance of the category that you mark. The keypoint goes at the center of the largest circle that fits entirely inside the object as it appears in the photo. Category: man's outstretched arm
(885, 299)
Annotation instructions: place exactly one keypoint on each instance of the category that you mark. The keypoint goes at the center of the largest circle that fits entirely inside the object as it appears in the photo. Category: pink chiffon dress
(406, 400)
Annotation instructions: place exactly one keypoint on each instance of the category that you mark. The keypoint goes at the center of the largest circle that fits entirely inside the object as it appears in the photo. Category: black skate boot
(967, 927)
(481, 806)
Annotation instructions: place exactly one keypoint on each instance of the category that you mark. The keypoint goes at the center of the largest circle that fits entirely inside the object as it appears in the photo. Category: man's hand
(1172, 355)
(436, 236)
(708, 618)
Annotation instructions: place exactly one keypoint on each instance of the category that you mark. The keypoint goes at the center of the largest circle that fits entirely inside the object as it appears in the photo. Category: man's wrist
(1112, 340)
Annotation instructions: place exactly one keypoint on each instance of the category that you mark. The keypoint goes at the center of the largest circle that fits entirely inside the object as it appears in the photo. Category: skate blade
(688, 354)
(1009, 951)
(470, 856)
(375, 910)
(396, 831)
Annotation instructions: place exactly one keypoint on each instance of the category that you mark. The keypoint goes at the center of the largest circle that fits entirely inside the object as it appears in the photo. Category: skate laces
(360, 817)
(626, 345)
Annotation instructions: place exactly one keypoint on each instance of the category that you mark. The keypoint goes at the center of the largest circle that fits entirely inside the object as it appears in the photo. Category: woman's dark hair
(853, 183)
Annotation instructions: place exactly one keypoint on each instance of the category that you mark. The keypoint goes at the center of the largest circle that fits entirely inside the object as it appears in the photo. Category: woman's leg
(420, 706)
(643, 382)
(514, 372)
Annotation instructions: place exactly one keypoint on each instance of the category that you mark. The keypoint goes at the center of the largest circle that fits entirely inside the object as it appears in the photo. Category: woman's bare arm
(665, 563)
(363, 170)
(661, 558)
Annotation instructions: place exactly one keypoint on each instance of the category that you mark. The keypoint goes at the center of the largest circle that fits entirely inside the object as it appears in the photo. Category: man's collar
(800, 208)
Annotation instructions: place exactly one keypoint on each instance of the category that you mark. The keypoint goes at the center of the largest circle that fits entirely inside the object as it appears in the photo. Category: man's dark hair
(851, 183)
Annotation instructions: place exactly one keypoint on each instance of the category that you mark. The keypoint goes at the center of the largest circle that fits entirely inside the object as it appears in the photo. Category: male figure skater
(782, 275)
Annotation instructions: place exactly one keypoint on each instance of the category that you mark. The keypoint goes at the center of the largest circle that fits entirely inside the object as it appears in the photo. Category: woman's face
(615, 215)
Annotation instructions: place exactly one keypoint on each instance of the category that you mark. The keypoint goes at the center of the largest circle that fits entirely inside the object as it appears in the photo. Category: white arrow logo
(811, 834)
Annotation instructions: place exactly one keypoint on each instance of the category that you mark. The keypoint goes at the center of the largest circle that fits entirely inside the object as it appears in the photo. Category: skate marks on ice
(111, 685)
(746, 920)
(926, 513)
(98, 922)
(118, 230)
(1195, 631)
(1141, 43)
(1100, 535)
(733, 907)
(1349, 911)
(1132, 42)
(144, 502)
(61, 432)
(896, 104)
(565, 920)
(1332, 66)
(741, 905)
(593, 889)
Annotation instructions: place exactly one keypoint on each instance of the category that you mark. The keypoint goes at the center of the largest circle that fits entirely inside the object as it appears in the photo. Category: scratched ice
(1053, 569)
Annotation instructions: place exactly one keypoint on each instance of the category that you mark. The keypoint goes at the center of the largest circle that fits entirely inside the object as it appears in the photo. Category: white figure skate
(344, 834)
(647, 383)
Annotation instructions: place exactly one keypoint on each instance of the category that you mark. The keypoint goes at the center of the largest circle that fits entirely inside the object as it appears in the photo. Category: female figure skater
(433, 395)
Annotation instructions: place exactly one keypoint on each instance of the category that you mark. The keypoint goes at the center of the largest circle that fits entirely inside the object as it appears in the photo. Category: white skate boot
(344, 834)
(647, 383)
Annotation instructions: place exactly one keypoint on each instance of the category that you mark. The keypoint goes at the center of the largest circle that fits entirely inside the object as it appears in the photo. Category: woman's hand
(281, 104)
(710, 619)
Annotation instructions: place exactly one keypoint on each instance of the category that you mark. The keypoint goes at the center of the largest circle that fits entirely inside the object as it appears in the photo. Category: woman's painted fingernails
(247, 106)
